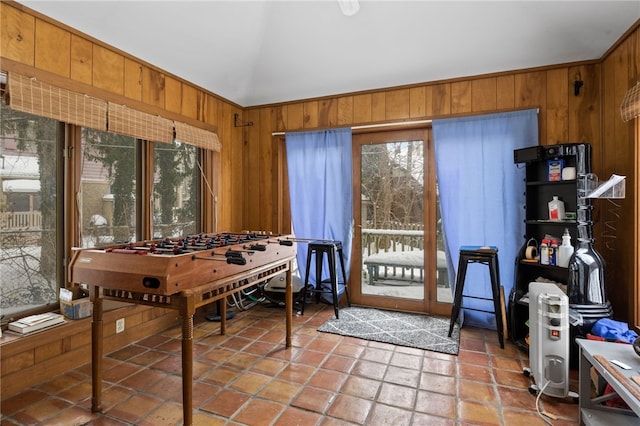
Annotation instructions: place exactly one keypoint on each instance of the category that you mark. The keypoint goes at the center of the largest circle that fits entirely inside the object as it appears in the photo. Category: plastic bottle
(565, 251)
(553, 252)
(544, 252)
(556, 209)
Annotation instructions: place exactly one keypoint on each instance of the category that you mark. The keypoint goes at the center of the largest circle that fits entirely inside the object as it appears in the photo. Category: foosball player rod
(231, 260)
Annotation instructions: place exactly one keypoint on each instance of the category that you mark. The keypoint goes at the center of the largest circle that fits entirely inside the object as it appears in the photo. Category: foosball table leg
(96, 350)
(187, 311)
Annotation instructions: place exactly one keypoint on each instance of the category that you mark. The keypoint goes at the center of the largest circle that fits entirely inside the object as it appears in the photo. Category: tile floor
(247, 377)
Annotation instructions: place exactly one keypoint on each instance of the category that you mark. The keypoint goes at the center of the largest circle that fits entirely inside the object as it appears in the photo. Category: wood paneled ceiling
(262, 52)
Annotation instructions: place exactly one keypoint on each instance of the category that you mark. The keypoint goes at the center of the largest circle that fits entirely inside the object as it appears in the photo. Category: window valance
(196, 136)
(630, 106)
(39, 98)
(139, 124)
(35, 97)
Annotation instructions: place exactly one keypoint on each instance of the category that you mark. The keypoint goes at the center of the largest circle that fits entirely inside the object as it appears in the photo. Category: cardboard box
(79, 307)
(76, 309)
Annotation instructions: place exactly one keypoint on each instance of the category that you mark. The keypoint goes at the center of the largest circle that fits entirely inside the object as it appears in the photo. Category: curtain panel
(321, 192)
(482, 196)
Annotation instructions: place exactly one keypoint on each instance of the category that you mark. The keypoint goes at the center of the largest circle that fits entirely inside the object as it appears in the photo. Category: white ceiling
(260, 52)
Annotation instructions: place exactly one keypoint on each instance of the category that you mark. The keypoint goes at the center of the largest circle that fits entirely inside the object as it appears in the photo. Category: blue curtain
(321, 192)
(482, 196)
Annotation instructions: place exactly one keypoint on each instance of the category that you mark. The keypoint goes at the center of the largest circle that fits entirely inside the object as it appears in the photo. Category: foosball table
(182, 273)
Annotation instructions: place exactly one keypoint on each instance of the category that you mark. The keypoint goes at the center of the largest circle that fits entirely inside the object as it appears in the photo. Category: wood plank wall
(37, 46)
(592, 116)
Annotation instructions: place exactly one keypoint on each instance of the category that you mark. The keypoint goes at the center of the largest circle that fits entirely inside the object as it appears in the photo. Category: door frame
(430, 303)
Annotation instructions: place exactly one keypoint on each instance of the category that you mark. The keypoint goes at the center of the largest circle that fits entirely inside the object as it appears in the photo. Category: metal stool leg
(457, 300)
(344, 276)
(497, 305)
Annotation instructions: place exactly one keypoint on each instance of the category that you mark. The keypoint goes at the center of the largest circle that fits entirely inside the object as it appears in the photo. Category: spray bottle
(565, 251)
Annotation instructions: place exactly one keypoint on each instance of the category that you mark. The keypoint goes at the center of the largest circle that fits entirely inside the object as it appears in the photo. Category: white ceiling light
(349, 7)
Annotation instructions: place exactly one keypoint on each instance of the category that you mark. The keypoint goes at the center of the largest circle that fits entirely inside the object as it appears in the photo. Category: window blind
(630, 106)
(195, 136)
(35, 97)
(139, 124)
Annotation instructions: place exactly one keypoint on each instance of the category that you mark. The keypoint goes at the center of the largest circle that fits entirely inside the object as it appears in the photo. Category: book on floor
(35, 322)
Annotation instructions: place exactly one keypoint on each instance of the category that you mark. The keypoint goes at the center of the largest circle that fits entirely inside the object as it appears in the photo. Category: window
(30, 256)
(175, 189)
(107, 199)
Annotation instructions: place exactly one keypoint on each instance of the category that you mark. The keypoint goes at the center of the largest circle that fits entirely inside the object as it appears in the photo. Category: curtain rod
(397, 123)
(373, 126)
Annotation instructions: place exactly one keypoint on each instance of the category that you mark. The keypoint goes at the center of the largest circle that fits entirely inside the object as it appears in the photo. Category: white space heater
(549, 340)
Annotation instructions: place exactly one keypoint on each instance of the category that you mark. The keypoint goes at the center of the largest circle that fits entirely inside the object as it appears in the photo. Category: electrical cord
(543, 416)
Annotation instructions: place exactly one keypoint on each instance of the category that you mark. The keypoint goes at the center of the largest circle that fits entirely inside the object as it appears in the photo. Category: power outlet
(120, 325)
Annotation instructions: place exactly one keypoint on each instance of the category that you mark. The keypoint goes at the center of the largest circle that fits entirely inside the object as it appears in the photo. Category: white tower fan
(549, 340)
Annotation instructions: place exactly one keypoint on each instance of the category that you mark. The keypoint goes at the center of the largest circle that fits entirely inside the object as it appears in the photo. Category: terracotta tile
(249, 383)
(225, 403)
(312, 358)
(371, 370)
(170, 364)
(478, 413)
(75, 394)
(314, 399)
(350, 408)
(241, 360)
(439, 366)
(294, 416)
(171, 345)
(153, 341)
(127, 352)
(167, 414)
(376, 355)
(386, 415)
(397, 396)
(221, 375)
(326, 379)
(349, 349)
(269, 366)
(21, 400)
(477, 391)
(143, 379)
(259, 412)
(62, 382)
(402, 376)
(280, 391)
(134, 408)
(322, 345)
(236, 343)
(203, 418)
(41, 411)
(426, 419)
(219, 355)
(296, 373)
(400, 359)
(438, 383)
(506, 363)
(474, 372)
(517, 417)
(516, 398)
(471, 357)
(148, 357)
(201, 393)
(338, 363)
(120, 372)
(260, 348)
(436, 404)
(514, 379)
(361, 387)
(169, 388)
(472, 344)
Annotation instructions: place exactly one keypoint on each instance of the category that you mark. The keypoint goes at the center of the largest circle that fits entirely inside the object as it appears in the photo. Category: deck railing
(20, 220)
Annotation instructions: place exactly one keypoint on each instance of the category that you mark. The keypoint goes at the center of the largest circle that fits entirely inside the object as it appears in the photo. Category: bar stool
(486, 256)
(332, 249)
